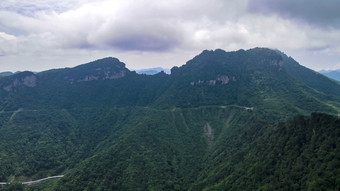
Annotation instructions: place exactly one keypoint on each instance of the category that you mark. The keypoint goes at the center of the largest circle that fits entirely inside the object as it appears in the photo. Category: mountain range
(243, 120)
(152, 71)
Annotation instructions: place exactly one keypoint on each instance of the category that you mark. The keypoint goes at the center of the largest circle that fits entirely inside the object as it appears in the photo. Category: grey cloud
(156, 27)
(129, 29)
(319, 48)
(143, 43)
(84, 45)
(324, 13)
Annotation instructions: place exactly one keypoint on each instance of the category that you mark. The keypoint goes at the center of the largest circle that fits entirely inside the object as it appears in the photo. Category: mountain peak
(18, 81)
(219, 62)
(108, 68)
(102, 69)
(258, 52)
(104, 62)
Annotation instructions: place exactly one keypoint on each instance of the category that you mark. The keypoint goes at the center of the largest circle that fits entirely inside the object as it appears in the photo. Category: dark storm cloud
(323, 13)
(143, 43)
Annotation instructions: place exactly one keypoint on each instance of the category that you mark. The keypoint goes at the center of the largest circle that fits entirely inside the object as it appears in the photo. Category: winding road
(36, 181)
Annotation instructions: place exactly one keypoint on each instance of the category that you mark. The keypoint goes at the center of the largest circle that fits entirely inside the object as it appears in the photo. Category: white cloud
(59, 29)
(5, 36)
(8, 44)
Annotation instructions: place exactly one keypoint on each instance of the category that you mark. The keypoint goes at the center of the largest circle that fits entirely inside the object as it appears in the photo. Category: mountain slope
(105, 82)
(310, 77)
(255, 78)
(302, 154)
(106, 127)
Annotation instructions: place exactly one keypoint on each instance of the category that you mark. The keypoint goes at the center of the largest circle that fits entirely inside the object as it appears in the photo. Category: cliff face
(25, 79)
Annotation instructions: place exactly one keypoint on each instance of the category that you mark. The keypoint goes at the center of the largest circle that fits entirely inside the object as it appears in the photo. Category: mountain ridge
(213, 73)
(108, 128)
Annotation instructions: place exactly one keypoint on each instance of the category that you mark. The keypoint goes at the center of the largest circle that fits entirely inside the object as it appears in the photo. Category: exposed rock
(249, 108)
(209, 132)
(212, 82)
(70, 80)
(276, 63)
(88, 78)
(26, 81)
(107, 74)
(102, 74)
(30, 81)
(223, 79)
(121, 74)
(7, 88)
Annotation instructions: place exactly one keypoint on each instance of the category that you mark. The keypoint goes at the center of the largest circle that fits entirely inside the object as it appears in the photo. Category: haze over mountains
(244, 120)
(334, 74)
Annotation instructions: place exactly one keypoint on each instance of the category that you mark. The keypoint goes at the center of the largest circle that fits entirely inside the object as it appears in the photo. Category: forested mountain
(242, 120)
(310, 77)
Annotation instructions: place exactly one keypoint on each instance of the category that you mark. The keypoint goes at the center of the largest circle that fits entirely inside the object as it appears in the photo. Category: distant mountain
(241, 120)
(333, 74)
(3, 74)
(326, 71)
(152, 71)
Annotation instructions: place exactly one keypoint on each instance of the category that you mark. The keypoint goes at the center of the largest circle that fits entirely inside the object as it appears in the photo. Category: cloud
(152, 25)
(57, 29)
(322, 13)
(31, 7)
(8, 44)
(143, 42)
(5, 36)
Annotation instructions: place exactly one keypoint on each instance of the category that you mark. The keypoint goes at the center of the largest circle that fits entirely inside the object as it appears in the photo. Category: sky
(37, 35)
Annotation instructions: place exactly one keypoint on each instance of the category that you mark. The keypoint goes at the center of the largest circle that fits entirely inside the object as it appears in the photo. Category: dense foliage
(223, 121)
(302, 154)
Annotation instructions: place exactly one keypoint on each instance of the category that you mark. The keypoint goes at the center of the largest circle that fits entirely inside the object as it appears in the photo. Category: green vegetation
(223, 121)
(302, 154)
